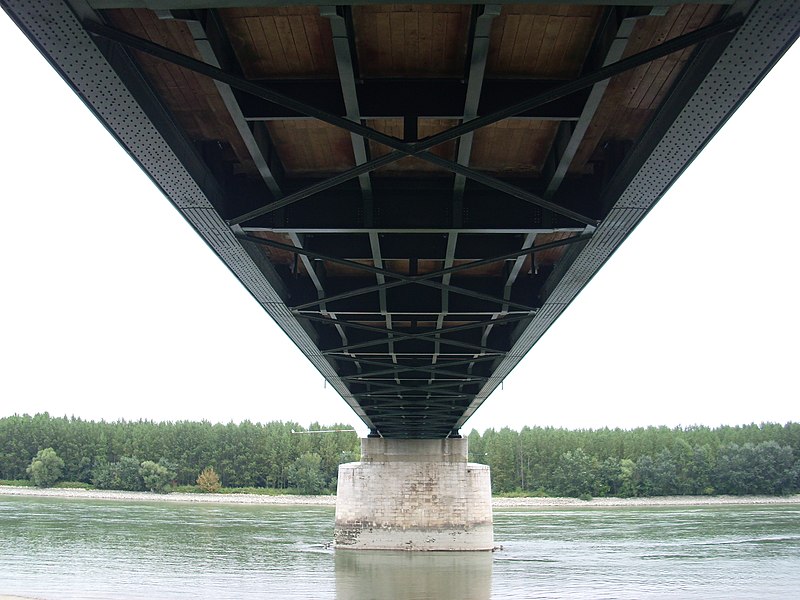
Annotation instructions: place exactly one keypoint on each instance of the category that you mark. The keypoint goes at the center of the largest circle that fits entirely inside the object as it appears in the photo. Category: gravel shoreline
(331, 500)
(643, 502)
(173, 497)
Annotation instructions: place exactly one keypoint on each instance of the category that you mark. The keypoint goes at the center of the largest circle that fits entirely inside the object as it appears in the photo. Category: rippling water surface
(70, 548)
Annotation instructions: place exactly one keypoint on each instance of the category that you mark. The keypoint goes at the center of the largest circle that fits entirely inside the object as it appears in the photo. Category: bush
(208, 480)
(46, 468)
(73, 485)
(261, 491)
(17, 482)
(186, 489)
(122, 475)
(157, 478)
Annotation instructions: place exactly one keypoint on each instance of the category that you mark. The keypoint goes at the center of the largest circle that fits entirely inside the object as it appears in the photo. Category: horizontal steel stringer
(392, 392)
(440, 405)
(408, 279)
(418, 410)
(418, 149)
(395, 337)
(386, 387)
(439, 368)
(476, 348)
(455, 378)
(451, 375)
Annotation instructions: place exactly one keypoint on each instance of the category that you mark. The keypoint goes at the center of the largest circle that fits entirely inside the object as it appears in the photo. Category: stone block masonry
(414, 495)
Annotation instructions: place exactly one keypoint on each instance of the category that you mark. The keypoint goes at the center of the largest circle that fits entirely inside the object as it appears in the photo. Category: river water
(75, 548)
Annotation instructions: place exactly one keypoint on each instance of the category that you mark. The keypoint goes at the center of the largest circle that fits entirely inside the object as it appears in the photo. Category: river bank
(331, 500)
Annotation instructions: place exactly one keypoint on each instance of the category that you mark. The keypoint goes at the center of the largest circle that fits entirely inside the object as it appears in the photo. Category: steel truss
(440, 340)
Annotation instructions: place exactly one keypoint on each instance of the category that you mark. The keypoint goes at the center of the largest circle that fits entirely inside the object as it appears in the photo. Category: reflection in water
(364, 575)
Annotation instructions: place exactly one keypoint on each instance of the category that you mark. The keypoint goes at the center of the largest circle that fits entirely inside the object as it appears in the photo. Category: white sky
(112, 307)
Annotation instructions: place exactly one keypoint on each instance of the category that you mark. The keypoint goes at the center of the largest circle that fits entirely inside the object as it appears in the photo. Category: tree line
(751, 459)
(247, 455)
(652, 461)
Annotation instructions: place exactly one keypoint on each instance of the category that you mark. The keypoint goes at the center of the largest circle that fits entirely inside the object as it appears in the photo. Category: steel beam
(406, 279)
(707, 91)
(623, 28)
(477, 68)
(350, 348)
(631, 62)
(426, 334)
(426, 98)
(208, 34)
(417, 149)
(426, 205)
(177, 4)
(347, 78)
(421, 368)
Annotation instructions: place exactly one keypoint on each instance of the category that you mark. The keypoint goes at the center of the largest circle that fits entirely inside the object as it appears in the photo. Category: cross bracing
(413, 192)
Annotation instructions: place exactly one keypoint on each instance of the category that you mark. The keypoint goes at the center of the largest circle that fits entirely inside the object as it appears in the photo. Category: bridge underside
(413, 192)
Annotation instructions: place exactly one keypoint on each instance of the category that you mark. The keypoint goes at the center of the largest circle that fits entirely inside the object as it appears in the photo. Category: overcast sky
(112, 307)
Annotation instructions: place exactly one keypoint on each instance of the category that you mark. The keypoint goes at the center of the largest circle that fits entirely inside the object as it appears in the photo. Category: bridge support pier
(414, 495)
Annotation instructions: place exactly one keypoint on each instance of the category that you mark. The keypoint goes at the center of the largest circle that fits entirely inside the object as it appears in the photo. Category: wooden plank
(541, 40)
(308, 147)
(534, 47)
(456, 44)
(316, 33)
(411, 40)
(284, 30)
(548, 55)
(522, 40)
(439, 47)
(425, 60)
(384, 33)
(576, 51)
(262, 57)
(293, 41)
(410, 46)
(513, 147)
(271, 38)
(301, 49)
(397, 35)
(693, 17)
(500, 62)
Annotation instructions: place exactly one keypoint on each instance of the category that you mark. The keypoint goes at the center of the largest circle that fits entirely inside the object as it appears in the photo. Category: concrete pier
(414, 495)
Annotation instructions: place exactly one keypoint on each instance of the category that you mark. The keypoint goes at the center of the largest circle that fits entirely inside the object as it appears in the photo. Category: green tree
(700, 470)
(306, 475)
(627, 486)
(744, 459)
(611, 477)
(644, 476)
(577, 475)
(665, 474)
(46, 468)
(157, 478)
(121, 475)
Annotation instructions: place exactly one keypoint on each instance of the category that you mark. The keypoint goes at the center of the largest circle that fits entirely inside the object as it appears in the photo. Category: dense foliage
(752, 459)
(111, 455)
(653, 461)
(45, 468)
